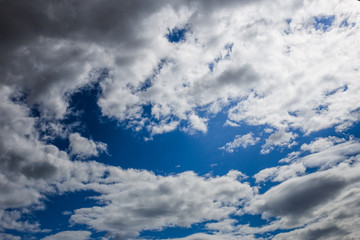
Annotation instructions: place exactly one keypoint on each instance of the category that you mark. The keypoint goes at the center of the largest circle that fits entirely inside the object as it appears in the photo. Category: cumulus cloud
(76, 235)
(9, 236)
(85, 148)
(324, 154)
(314, 202)
(280, 138)
(52, 48)
(140, 200)
(240, 141)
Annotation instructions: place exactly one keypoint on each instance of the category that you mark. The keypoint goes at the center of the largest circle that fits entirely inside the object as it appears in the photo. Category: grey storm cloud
(298, 197)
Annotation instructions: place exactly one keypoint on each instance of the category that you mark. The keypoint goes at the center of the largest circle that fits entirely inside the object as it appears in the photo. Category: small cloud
(198, 123)
(85, 148)
(231, 124)
(163, 127)
(240, 141)
(280, 138)
(66, 213)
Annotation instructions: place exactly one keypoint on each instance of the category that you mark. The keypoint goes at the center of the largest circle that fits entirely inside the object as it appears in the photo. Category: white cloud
(198, 123)
(65, 235)
(164, 127)
(280, 138)
(321, 144)
(240, 141)
(281, 73)
(9, 237)
(324, 154)
(280, 173)
(140, 200)
(85, 148)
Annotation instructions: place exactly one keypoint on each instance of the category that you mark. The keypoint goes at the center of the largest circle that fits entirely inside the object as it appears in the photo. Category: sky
(179, 120)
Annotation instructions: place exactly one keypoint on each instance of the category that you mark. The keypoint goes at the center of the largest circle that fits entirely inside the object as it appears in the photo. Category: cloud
(280, 138)
(85, 148)
(76, 235)
(280, 173)
(31, 168)
(140, 200)
(324, 154)
(299, 196)
(240, 141)
(9, 236)
(321, 144)
(52, 49)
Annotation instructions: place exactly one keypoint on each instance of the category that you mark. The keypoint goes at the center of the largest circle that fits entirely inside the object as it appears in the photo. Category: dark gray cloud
(298, 197)
(325, 233)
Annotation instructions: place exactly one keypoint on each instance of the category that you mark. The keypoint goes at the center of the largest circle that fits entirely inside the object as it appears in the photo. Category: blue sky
(179, 121)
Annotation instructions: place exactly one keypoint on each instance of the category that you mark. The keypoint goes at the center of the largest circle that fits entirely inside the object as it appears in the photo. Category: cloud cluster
(140, 200)
(280, 68)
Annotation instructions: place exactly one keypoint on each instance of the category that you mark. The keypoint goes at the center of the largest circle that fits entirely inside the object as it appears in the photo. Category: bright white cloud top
(282, 75)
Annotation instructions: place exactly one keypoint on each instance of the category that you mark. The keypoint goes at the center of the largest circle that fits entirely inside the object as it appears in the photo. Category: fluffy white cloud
(324, 154)
(240, 141)
(280, 138)
(280, 173)
(65, 235)
(321, 144)
(9, 237)
(85, 148)
(140, 200)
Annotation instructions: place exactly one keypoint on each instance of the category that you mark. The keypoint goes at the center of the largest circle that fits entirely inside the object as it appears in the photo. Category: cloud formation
(84, 148)
(240, 141)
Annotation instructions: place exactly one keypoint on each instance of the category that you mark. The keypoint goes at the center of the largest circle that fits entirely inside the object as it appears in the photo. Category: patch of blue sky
(147, 83)
(287, 29)
(323, 22)
(270, 234)
(345, 23)
(251, 220)
(342, 88)
(228, 47)
(177, 34)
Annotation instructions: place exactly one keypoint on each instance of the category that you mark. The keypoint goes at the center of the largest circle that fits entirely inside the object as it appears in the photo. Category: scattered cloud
(240, 141)
(76, 235)
(85, 148)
